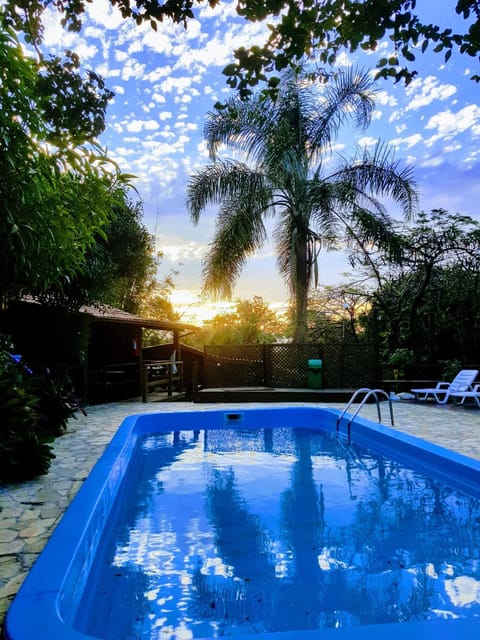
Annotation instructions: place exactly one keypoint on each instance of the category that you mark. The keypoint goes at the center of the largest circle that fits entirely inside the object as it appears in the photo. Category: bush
(54, 391)
(33, 409)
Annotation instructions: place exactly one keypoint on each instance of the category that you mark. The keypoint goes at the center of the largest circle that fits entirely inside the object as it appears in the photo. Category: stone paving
(30, 511)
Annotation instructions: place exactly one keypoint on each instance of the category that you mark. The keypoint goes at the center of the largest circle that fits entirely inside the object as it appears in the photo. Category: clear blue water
(222, 532)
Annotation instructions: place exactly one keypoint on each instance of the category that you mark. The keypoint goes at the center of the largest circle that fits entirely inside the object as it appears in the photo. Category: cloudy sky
(165, 83)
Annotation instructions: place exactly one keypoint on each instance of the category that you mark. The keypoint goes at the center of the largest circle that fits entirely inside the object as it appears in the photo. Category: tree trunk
(301, 289)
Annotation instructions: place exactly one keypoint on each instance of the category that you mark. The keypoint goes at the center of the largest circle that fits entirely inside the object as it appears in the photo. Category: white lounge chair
(461, 384)
(463, 395)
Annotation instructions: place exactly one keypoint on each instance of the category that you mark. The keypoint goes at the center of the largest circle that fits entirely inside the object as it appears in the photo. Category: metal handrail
(368, 393)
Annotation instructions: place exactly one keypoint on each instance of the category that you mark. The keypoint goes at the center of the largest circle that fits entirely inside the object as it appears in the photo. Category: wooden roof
(109, 314)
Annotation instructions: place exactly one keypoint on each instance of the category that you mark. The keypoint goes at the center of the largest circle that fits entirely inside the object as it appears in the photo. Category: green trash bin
(315, 374)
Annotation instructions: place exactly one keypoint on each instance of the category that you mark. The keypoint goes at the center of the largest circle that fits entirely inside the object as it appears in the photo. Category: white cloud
(431, 161)
(385, 99)
(178, 84)
(184, 252)
(120, 56)
(368, 141)
(159, 98)
(132, 70)
(448, 123)
(344, 60)
(407, 142)
(423, 91)
(185, 99)
(136, 126)
(450, 148)
(222, 12)
(157, 73)
(186, 126)
(124, 152)
(106, 72)
(104, 14)
(85, 51)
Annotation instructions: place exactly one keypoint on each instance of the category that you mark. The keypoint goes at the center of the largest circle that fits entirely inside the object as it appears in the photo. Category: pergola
(115, 349)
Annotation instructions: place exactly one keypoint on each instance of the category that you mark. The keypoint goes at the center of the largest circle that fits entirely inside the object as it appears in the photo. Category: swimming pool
(66, 596)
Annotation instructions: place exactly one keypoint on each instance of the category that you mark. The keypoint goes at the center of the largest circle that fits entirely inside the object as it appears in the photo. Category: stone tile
(12, 586)
(11, 548)
(33, 531)
(7, 535)
(11, 512)
(9, 567)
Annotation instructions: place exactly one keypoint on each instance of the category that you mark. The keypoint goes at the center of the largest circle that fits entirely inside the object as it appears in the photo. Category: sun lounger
(463, 395)
(461, 384)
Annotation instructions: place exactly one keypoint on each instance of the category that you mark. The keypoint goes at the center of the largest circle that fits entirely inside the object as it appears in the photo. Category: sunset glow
(195, 309)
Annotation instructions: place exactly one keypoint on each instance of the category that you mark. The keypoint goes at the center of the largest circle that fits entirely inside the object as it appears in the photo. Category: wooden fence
(345, 365)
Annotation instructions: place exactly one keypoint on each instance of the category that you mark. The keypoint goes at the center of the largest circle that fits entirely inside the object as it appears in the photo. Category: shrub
(33, 409)
(54, 391)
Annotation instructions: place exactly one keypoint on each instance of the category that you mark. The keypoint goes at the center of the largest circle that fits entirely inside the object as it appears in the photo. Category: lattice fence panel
(234, 366)
(290, 364)
(349, 365)
(345, 365)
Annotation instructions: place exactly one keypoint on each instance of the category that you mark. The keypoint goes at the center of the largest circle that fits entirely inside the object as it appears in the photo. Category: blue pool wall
(46, 603)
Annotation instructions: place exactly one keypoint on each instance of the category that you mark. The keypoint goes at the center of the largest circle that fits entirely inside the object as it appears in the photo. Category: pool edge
(46, 599)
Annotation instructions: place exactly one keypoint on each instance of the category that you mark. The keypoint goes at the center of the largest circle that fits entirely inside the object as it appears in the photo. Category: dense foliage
(425, 299)
(58, 193)
(322, 30)
(57, 189)
(35, 406)
(118, 269)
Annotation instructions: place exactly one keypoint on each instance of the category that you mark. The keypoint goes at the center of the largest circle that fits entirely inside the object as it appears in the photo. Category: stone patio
(29, 512)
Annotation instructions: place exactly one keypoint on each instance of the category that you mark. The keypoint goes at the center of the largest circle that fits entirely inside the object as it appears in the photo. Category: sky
(166, 82)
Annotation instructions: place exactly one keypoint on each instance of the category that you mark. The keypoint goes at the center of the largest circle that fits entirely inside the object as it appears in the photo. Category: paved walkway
(30, 511)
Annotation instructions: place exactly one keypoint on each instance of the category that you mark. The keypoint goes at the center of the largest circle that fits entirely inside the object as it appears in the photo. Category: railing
(161, 373)
(368, 394)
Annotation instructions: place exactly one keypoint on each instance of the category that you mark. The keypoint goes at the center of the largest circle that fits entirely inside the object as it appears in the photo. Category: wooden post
(141, 373)
(195, 376)
(143, 383)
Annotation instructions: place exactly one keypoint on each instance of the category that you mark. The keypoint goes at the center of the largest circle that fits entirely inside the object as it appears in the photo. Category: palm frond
(349, 98)
(366, 230)
(221, 181)
(239, 233)
(380, 174)
(244, 126)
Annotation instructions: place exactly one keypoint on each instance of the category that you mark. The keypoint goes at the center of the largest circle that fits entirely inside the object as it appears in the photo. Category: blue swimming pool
(261, 522)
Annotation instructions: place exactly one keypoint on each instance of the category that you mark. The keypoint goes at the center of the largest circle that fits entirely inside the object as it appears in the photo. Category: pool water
(227, 532)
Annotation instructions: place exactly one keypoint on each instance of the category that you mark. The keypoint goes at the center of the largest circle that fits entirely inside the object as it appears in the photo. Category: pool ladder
(369, 393)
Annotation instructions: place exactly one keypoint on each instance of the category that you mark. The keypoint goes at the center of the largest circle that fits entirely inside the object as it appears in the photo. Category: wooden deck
(270, 394)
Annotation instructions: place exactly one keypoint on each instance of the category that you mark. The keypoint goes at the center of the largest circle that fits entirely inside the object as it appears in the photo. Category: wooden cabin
(102, 348)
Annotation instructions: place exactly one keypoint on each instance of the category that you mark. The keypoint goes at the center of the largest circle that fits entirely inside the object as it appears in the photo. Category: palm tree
(287, 146)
